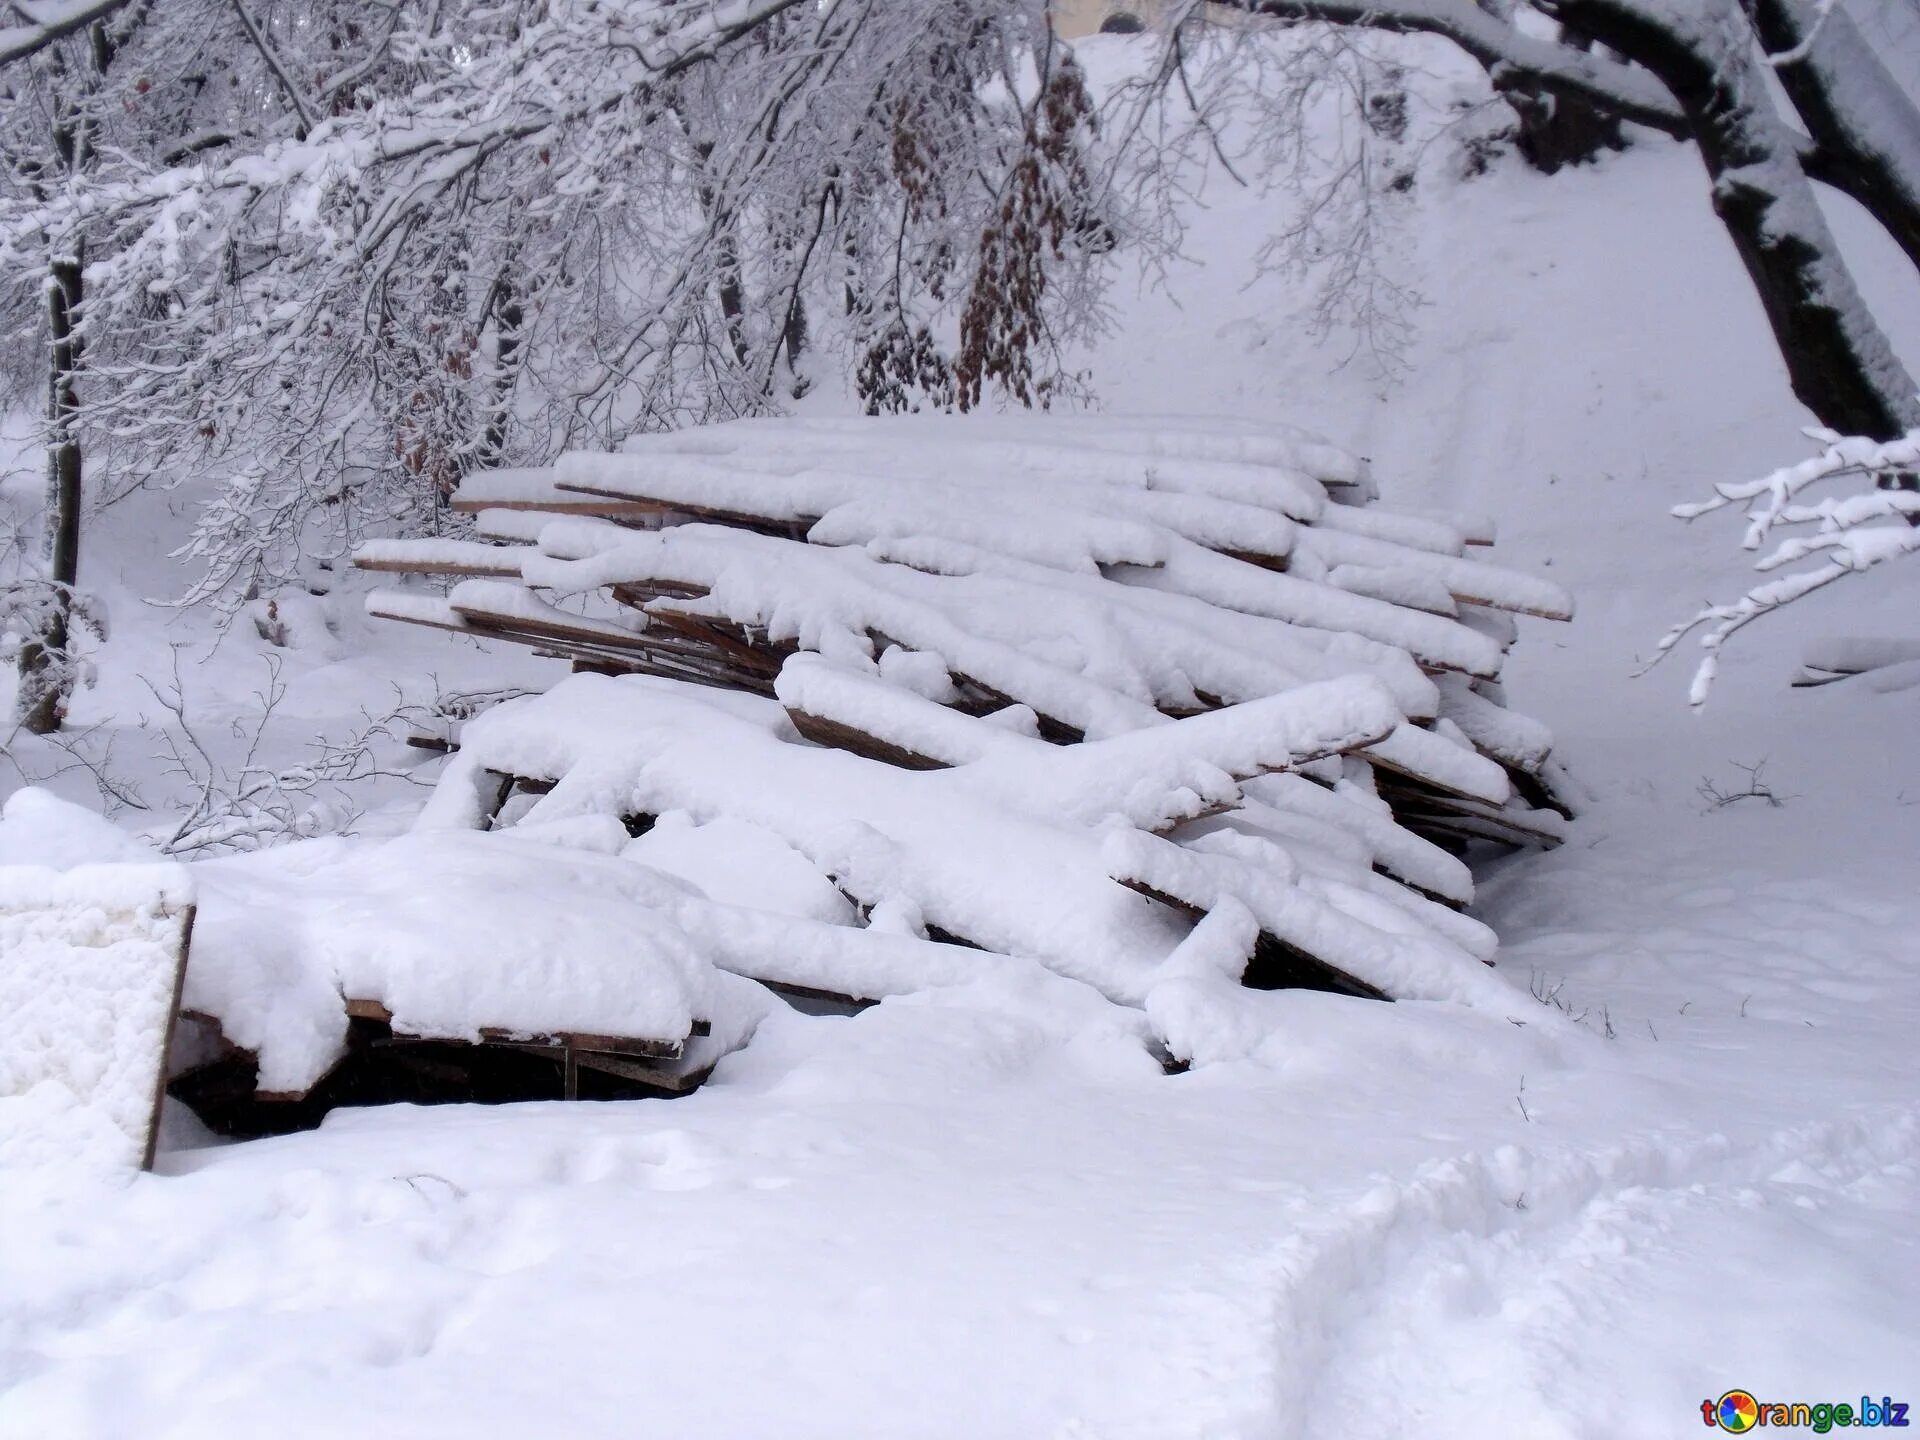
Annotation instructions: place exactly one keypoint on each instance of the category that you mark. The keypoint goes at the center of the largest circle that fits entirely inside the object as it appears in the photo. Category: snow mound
(37, 827)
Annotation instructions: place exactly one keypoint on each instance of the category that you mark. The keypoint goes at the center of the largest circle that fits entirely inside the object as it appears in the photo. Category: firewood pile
(1125, 696)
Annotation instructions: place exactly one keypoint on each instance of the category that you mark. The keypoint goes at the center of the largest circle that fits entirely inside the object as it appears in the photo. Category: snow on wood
(1422, 532)
(90, 967)
(1516, 740)
(1824, 661)
(535, 490)
(451, 935)
(1007, 691)
(1473, 582)
(1396, 587)
(438, 557)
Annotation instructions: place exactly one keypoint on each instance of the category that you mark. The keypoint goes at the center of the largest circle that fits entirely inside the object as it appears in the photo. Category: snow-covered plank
(535, 490)
(1151, 778)
(634, 1045)
(1472, 582)
(487, 603)
(968, 864)
(1509, 737)
(1410, 528)
(449, 936)
(1055, 518)
(1824, 661)
(1038, 455)
(1434, 641)
(439, 557)
(1377, 951)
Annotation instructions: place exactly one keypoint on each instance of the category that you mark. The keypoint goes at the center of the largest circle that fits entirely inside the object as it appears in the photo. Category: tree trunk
(1557, 131)
(1561, 130)
(1839, 362)
(46, 666)
(1865, 127)
(1701, 54)
(509, 317)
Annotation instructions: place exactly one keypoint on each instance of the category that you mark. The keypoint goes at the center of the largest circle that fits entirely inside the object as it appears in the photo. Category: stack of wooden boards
(1194, 663)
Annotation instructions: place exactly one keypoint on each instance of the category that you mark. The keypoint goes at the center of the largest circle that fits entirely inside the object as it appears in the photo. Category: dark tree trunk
(1840, 364)
(1561, 130)
(1557, 131)
(509, 317)
(1865, 128)
(46, 668)
(733, 290)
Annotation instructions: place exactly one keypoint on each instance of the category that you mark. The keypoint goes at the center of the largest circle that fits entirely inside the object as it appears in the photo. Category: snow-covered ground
(965, 1213)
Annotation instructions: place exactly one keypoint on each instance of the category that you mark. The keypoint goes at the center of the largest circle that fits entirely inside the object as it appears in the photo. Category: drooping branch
(1844, 534)
(49, 21)
(271, 57)
(1508, 55)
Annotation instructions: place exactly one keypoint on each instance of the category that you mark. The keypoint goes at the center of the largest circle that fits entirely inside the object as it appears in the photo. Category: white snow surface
(89, 960)
(979, 1208)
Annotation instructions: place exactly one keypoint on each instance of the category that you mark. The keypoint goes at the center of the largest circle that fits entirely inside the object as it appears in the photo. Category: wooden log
(779, 526)
(735, 642)
(1274, 964)
(674, 1082)
(555, 627)
(667, 656)
(836, 735)
(377, 1011)
(601, 506)
(1422, 810)
(808, 994)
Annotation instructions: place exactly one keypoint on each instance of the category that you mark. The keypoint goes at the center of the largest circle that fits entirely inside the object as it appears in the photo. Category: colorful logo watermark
(1738, 1411)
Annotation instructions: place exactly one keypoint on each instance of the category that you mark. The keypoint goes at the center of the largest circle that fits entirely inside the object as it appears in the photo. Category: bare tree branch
(48, 21)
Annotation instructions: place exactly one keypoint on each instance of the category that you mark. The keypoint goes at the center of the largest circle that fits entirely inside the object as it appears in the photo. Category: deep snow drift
(981, 1211)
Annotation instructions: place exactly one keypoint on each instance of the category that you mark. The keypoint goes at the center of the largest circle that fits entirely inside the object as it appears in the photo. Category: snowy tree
(63, 111)
(321, 265)
(1701, 71)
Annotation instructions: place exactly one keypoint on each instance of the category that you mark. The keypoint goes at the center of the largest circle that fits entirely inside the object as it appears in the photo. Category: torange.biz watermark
(1739, 1411)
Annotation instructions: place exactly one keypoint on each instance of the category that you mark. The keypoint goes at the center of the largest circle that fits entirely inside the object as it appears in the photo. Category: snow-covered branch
(1875, 519)
(1505, 51)
(45, 22)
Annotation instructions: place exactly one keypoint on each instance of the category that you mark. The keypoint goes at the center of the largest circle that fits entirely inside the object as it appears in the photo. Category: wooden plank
(361, 1009)
(581, 629)
(1426, 779)
(603, 506)
(671, 657)
(778, 526)
(1275, 964)
(677, 1082)
(148, 1150)
(1472, 819)
(836, 735)
(571, 1040)
(730, 640)
(810, 994)
(501, 570)
(638, 594)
